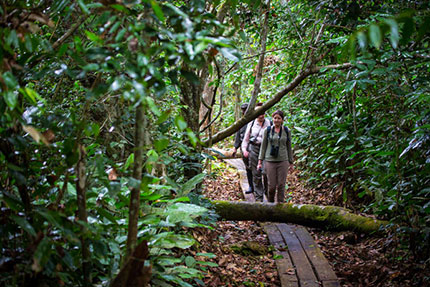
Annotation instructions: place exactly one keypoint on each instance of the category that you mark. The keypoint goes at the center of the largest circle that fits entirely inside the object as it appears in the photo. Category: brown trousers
(277, 176)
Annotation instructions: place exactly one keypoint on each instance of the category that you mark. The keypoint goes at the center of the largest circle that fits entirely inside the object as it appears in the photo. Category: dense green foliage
(367, 130)
(364, 131)
(73, 73)
(58, 95)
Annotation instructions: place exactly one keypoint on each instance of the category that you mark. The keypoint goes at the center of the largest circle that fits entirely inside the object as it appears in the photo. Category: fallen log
(324, 217)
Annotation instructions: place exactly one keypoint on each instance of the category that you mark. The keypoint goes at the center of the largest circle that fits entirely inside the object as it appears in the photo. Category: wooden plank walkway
(301, 262)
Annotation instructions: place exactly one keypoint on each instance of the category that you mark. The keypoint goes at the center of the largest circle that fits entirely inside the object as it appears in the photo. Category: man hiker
(251, 149)
(237, 144)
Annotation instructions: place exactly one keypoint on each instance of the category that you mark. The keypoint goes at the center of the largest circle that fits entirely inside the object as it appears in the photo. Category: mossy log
(324, 217)
(247, 248)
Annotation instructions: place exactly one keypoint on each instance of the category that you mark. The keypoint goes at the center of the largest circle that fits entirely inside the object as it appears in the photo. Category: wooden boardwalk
(300, 262)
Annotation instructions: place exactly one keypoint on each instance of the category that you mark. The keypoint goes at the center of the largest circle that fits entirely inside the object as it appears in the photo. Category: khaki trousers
(277, 176)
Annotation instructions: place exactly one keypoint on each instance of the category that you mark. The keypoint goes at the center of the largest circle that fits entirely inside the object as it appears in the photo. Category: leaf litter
(357, 259)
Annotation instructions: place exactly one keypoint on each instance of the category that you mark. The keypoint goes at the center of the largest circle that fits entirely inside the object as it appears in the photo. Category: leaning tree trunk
(326, 217)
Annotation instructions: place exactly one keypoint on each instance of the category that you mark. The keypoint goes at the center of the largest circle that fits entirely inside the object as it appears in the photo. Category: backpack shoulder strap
(286, 130)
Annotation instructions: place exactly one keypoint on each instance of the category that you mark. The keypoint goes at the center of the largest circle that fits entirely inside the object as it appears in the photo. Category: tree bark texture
(208, 99)
(139, 139)
(82, 212)
(325, 217)
(259, 74)
(135, 273)
(191, 93)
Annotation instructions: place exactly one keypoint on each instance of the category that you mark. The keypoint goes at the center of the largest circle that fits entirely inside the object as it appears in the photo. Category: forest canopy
(107, 109)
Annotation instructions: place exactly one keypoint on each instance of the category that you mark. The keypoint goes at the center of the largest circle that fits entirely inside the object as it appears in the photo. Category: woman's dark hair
(278, 112)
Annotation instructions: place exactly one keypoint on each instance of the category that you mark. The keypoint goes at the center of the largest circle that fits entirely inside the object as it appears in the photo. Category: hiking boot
(249, 191)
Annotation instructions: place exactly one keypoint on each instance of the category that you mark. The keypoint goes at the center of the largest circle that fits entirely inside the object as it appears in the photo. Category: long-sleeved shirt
(285, 151)
(254, 133)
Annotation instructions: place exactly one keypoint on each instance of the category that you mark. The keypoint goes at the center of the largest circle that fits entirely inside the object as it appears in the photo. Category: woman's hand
(259, 165)
(245, 153)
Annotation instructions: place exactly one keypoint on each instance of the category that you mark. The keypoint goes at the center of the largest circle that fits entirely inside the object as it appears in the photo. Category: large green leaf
(191, 184)
(11, 99)
(181, 212)
(394, 32)
(24, 224)
(157, 10)
(375, 35)
(42, 254)
(170, 240)
(9, 80)
(107, 215)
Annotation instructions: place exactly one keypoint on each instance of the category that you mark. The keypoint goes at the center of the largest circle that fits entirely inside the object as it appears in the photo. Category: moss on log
(249, 248)
(324, 217)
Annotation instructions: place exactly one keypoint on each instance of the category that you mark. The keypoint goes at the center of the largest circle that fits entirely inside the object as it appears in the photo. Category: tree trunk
(325, 217)
(135, 273)
(191, 93)
(81, 188)
(259, 69)
(237, 86)
(137, 174)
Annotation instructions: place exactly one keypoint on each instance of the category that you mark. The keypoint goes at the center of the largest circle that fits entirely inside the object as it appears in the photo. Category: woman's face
(277, 120)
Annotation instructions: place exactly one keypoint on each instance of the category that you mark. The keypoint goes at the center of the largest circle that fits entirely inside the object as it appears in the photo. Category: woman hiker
(278, 156)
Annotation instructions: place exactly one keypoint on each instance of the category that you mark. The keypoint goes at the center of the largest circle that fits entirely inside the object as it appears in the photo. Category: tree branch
(274, 100)
(217, 116)
(210, 108)
(260, 65)
(292, 20)
(266, 52)
(68, 33)
(255, 55)
(309, 48)
(36, 59)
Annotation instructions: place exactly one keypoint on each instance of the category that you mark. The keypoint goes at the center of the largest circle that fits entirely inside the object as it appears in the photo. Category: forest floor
(358, 260)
